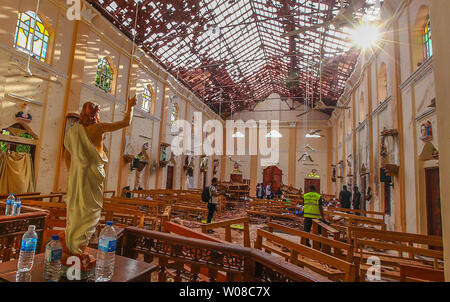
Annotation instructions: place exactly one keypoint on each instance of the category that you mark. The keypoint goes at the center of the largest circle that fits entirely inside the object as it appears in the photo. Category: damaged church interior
(224, 141)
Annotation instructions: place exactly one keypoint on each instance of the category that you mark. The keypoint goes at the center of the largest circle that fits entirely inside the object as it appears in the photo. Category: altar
(236, 177)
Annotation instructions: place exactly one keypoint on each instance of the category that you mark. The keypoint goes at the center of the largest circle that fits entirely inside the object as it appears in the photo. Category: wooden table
(125, 269)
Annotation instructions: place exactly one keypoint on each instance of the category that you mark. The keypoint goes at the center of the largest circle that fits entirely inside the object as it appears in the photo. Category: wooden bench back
(355, 220)
(416, 247)
(326, 245)
(50, 197)
(295, 250)
(379, 215)
(227, 225)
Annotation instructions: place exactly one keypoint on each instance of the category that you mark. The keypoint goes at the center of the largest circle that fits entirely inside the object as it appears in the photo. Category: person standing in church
(259, 191)
(214, 200)
(345, 197)
(268, 192)
(313, 209)
(356, 199)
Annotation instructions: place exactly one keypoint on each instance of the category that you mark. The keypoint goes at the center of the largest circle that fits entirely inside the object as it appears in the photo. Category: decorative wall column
(124, 169)
(162, 131)
(354, 116)
(254, 165)
(330, 161)
(223, 160)
(73, 93)
(397, 122)
(440, 12)
(199, 173)
(370, 123)
(186, 137)
(292, 154)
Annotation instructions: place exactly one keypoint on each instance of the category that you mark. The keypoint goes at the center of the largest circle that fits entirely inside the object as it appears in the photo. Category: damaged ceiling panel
(231, 53)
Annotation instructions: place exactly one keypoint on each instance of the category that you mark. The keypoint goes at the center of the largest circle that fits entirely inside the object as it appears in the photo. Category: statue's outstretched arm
(127, 119)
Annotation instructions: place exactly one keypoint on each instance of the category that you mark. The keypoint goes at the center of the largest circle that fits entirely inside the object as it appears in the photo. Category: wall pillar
(72, 95)
(440, 12)
(370, 123)
(397, 122)
(292, 169)
(162, 132)
(223, 160)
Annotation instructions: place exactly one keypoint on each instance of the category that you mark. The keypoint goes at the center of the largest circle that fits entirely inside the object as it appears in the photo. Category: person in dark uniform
(356, 199)
(345, 197)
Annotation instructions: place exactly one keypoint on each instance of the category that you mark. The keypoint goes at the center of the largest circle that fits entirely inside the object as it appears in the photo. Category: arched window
(27, 24)
(382, 83)
(146, 99)
(173, 113)
(105, 75)
(427, 42)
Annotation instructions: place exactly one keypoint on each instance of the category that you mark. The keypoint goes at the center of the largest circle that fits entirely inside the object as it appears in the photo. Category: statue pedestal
(87, 261)
(236, 178)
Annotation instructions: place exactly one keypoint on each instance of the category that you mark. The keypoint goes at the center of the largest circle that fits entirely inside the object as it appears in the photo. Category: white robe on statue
(85, 188)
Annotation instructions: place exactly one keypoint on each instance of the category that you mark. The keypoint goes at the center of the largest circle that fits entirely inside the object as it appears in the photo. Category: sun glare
(365, 35)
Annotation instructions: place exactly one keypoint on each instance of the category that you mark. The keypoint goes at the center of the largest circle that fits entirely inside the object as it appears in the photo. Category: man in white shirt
(268, 192)
(212, 204)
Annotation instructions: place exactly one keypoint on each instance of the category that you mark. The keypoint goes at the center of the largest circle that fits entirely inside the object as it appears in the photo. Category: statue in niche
(85, 159)
(426, 131)
(24, 115)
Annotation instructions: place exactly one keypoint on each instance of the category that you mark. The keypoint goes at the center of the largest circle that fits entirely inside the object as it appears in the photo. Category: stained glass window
(174, 113)
(26, 25)
(104, 75)
(146, 99)
(428, 45)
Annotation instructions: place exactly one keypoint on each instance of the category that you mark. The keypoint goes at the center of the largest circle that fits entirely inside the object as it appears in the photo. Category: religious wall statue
(85, 160)
(426, 131)
(24, 115)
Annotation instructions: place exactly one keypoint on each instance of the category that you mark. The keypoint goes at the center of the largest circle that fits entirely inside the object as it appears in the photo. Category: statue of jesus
(85, 159)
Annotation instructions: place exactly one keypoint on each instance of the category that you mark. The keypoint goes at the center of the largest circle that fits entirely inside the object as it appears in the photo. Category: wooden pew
(170, 227)
(273, 209)
(325, 230)
(58, 198)
(351, 220)
(227, 225)
(326, 265)
(418, 273)
(415, 246)
(20, 195)
(373, 214)
(327, 245)
(57, 215)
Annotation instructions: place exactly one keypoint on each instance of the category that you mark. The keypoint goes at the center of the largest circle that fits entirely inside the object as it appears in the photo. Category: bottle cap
(55, 237)
(18, 200)
(109, 223)
(31, 228)
(11, 194)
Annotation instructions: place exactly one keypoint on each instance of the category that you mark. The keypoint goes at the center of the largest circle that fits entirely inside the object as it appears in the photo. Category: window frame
(110, 77)
(427, 39)
(147, 98)
(44, 35)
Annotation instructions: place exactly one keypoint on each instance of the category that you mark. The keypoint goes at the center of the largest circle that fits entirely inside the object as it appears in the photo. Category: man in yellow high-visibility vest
(312, 209)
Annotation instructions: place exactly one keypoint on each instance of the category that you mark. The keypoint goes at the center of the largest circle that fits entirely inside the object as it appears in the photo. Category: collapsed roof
(231, 53)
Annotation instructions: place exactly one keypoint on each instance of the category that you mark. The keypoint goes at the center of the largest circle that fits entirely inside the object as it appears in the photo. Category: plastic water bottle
(17, 207)
(27, 250)
(106, 253)
(10, 201)
(53, 255)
